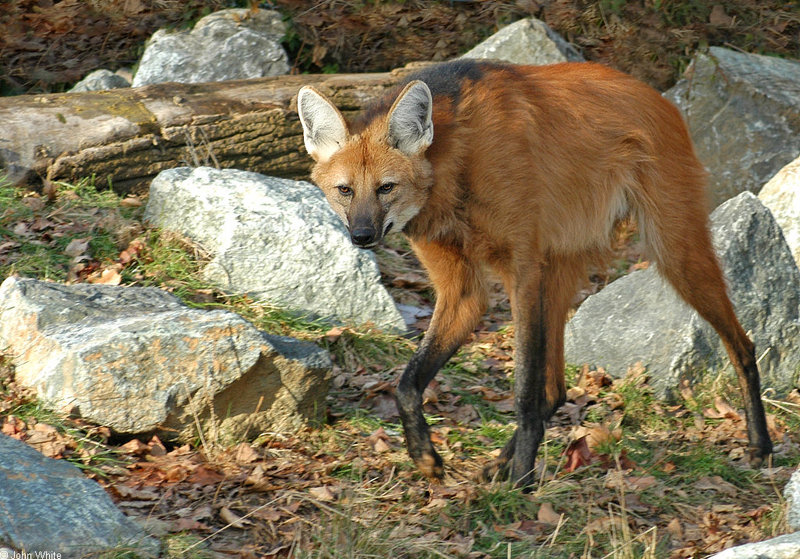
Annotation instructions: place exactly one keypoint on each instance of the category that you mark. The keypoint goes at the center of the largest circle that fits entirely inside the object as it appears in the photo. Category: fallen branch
(124, 137)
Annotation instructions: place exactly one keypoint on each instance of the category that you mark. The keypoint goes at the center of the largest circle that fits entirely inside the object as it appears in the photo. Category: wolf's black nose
(363, 236)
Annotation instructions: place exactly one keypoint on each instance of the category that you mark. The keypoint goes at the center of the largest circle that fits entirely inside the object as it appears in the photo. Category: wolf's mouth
(387, 228)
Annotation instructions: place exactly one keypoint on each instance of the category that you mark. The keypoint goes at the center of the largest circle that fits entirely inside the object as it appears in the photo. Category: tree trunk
(124, 137)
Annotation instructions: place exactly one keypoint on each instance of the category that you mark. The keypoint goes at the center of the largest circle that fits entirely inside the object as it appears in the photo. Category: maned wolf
(525, 170)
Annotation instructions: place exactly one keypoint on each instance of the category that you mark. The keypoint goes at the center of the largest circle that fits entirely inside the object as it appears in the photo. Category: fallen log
(124, 137)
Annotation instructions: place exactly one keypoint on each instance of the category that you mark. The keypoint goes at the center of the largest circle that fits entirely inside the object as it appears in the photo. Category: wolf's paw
(496, 470)
(430, 464)
(758, 455)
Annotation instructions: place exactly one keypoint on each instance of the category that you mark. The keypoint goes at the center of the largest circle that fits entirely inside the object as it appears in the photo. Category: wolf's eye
(386, 187)
(344, 190)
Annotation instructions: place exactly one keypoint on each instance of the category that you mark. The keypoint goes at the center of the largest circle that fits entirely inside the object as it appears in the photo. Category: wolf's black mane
(446, 79)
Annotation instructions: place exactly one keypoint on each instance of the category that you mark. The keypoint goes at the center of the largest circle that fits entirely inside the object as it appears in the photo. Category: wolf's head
(377, 179)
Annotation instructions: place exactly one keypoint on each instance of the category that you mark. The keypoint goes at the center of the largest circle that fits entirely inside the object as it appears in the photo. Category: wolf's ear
(410, 122)
(324, 129)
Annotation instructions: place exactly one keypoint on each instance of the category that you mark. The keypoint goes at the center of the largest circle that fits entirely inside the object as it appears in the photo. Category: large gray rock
(527, 41)
(743, 112)
(48, 505)
(782, 547)
(792, 495)
(100, 80)
(225, 45)
(136, 359)
(782, 196)
(640, 318)
(275, 239)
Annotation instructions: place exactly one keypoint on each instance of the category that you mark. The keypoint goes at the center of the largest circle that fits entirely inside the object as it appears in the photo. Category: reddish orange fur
(528, 173)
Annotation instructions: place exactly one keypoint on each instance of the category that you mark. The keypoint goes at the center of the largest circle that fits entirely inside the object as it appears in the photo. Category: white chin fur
(400, 220)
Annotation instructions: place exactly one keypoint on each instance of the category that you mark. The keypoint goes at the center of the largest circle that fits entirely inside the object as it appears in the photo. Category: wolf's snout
(363, 236)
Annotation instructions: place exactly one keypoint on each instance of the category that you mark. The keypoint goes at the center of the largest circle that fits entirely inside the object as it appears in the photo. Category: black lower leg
(760, 445)
(421, 369)
(530, 384)
(528, 438)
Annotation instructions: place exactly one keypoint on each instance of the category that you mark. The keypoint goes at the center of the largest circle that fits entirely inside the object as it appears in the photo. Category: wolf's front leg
(460, 302)
(420, 371)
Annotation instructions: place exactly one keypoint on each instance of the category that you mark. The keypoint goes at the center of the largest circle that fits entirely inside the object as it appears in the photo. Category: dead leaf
(686, 391)
(547, 515)
(131, 493)
(675, 529)
(438, 437)
(716, 483)
(635, 504)
(378, 434)
(615, 479)
(594, 381)
(431, 393)
(156, 447)
(108, 276)
(131, 202)
(176, 473)
(604, 524)
(22, 229)
(640, 483)
(8, 246)
(506, 405)
(578, 454)
(385, 407)
(232, 519)
(204, 475)
(49, 189)
(47, 440)
(45, 429)
(573, 412)
(521, 529)
(77, 247)
(270, 514)
(323, 493)
(465, 413)
(41, 224)
(318, 53)
(14, 427)
(243, 453)
(135, 446)
(614, 401)
(434, 504)
(379, 441)
(380, 446)
(725, 508)
(131, 251)
(203, 512)
(597, 435)
(334, 334)
(486, 393)
(183, 450)
(189, 524)
(575, 392)
(725, 409)
(718, 16)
